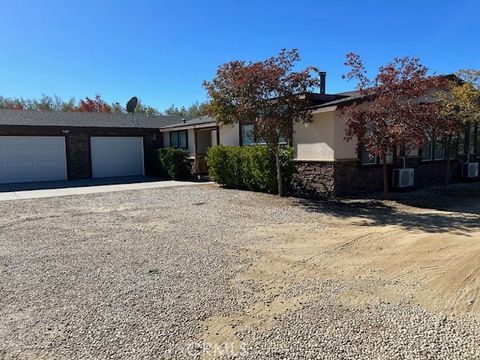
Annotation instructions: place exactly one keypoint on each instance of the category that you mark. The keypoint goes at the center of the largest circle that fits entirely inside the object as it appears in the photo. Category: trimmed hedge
(249, 167)
(173, 163)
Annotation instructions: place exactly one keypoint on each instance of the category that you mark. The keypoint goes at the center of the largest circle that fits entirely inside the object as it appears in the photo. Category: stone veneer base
(320, 179)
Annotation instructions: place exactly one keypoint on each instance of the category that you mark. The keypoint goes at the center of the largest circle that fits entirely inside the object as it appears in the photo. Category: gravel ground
(325, 329)
(139, 274)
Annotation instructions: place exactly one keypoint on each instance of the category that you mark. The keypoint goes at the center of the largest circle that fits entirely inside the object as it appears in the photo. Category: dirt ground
(205, 272)
(420, 249)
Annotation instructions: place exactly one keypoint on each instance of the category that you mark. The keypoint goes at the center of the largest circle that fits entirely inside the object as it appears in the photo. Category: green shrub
(224, 165)
(249, 167)
(174, 163)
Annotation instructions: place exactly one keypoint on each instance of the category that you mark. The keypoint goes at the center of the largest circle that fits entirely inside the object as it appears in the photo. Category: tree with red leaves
(265, 94)
(12, 104)
(397, 108)
(93, 105)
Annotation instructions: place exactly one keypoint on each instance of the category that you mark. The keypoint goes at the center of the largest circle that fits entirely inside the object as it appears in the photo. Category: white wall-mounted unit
(403, 178)
(470, 170)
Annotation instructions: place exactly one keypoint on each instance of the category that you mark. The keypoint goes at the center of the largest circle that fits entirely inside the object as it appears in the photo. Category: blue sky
(161, 51)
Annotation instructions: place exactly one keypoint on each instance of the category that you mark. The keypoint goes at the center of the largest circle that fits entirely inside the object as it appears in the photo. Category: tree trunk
(385, 177)
(279, 170)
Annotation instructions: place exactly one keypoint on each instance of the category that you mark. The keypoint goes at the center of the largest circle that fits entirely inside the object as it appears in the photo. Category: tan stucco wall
(347, 150)
(315, 142)
(214, 137)
(230, 135)
(344, 150)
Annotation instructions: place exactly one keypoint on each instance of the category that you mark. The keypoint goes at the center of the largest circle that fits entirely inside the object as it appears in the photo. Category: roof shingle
(83, 119)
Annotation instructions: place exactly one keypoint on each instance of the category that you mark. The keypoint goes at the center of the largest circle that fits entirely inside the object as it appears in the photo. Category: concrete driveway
(87, 186)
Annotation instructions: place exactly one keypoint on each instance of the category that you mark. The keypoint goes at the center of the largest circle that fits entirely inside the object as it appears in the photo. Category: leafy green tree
(145, 109)
(68, 105)
(116, 108)
(190, 112)
(460, 109)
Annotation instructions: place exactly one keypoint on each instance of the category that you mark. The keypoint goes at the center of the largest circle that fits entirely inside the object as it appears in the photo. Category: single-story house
(325, 161)
(45, 146)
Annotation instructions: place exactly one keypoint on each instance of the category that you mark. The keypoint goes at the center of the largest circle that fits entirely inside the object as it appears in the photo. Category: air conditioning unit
(470, 170)
(403, 178)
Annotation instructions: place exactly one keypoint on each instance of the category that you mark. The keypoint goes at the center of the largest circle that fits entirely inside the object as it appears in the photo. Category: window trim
(435, 143)
(430, 142)
(241, 135)
(476, 139)
(177, 133)
(453, 148)
(377, 160)
(255, 140)
(374, 159)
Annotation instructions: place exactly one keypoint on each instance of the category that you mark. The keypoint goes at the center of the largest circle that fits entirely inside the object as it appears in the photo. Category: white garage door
(32, 158)
(116, 156)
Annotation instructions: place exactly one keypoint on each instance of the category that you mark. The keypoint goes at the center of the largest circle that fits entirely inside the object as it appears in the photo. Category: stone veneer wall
(78, 155)
(313, 179)
(325, 179)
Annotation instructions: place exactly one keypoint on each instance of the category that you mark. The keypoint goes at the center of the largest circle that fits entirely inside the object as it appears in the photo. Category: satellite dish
(132, 104)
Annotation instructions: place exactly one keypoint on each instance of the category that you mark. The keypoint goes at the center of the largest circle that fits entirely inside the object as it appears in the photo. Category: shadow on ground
(77, 183)
(433, 211)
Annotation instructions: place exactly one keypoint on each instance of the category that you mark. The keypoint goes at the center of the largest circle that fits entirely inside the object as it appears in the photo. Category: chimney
(323, 79)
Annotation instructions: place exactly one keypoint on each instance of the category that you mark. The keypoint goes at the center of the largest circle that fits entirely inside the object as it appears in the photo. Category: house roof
(82, 119)
(345, 98)
(191, 123)
(341, 99)
(319, 101)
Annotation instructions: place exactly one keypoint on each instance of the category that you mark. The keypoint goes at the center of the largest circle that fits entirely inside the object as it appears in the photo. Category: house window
(476, 139)
(461, 143)
(369, 159)
(438, 150)
(477, 150)
(434, 150)
(471, 137)
(469, 140)
(451, 147)
(427, 151)
(179, 139)
(282, 140)
(389, 158)
(249, 138)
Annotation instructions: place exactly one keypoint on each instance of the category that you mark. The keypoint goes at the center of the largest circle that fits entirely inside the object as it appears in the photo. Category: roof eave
(324, 109)
(187, 127)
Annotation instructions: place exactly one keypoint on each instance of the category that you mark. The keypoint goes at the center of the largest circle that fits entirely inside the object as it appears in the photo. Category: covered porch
(204, 139)
(196, 136)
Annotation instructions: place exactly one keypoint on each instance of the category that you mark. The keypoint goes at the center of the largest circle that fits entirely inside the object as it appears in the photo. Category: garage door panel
(117, 156)
(32, 158)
